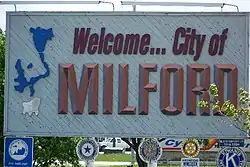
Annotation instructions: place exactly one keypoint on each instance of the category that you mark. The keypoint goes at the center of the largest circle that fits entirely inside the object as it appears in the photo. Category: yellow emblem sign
(190, 148)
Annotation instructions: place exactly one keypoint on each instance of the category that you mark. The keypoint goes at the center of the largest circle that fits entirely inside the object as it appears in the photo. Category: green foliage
(240, 114)
(55, 151)
(2, 63)
(204, 142)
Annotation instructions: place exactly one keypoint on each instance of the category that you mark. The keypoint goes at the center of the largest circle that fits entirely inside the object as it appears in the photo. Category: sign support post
(132, 156)
(90, 163)
(152, 164)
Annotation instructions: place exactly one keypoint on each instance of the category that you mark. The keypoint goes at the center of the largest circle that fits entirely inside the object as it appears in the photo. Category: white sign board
(123, 74)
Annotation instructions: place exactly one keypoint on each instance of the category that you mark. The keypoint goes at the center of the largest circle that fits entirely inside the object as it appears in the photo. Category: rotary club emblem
(190, 148)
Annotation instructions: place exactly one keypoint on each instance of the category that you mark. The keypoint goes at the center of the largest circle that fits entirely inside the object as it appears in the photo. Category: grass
(114, 157)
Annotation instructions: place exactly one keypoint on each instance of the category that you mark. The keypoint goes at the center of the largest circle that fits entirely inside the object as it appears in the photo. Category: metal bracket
(186, 4)
(113, 5)
(15, 3)
(226, 4)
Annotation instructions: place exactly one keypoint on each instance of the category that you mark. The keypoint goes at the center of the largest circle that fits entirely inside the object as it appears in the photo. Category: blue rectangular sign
(18, 151)
(190, 162)
(232, 142)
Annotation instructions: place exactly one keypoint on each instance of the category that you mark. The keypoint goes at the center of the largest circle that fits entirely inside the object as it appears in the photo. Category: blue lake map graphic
(40, 38)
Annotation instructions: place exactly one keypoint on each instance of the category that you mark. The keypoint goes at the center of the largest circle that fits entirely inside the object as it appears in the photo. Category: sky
(244, 5)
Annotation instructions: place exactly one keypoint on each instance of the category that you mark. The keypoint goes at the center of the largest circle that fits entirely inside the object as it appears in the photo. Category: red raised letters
(165, 107)
(67, 81)
(145, 87)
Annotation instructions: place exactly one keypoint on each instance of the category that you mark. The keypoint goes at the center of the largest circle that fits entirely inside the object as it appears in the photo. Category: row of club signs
(150, 151)
(230, 154)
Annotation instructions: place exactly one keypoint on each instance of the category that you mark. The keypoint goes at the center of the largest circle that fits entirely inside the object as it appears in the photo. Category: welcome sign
(122, 74)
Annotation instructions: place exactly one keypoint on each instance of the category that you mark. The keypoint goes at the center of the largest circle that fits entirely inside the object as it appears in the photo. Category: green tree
(239, 116)
(56, 151)
(47, 150)
(2, 63)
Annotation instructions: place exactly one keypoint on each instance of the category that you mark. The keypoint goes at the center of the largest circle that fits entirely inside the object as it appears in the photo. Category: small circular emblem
(87, 149)
(18, 150)
(190, 148)
(231, 157)
(150, 151)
